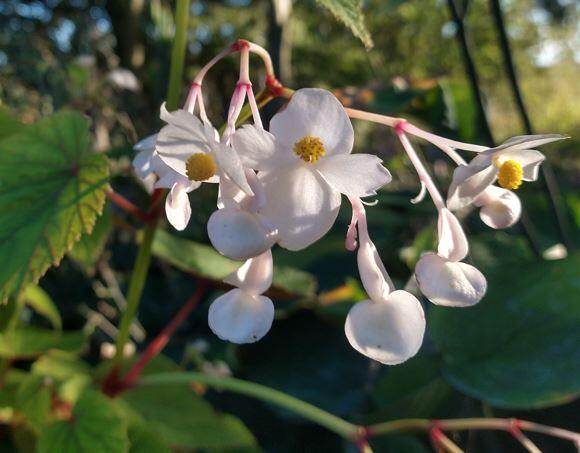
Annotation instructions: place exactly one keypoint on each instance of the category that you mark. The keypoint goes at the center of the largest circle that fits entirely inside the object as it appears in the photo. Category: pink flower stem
(420, 168)
(254, 107)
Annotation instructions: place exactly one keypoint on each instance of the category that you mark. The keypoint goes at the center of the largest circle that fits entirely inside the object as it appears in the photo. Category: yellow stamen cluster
(309, 149)
(200, 167)
(510, 175)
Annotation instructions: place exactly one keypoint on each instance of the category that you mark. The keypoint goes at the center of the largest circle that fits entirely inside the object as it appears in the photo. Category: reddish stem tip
(399, 127)
(515, 427)
(240, 44)
(273, 85)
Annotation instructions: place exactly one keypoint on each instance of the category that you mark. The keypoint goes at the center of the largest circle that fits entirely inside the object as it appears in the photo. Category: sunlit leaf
(94, 427)
(89, 249)
(349, 12)
(520, 347)
(33, 400)
(52, 190)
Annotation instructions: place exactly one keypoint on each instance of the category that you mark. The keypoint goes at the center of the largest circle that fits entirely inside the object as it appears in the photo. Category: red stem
(127, 206)
(159, 342)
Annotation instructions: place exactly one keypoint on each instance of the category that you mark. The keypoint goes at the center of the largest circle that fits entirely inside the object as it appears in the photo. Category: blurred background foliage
(516, 354)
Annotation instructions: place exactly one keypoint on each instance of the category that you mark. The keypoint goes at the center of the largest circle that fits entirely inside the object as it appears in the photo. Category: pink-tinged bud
(500, 208)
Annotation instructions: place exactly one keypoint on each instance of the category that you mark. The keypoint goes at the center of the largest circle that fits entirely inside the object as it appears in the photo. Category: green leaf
(60, 365)
(145, 440)
(36, 298)
(52, 191)
(95, 427)
(33, 399)
(8, 123)
(90, 248)
(520, 347)
(203, 261)
(30, 342)
(349, 12)
(184, 419)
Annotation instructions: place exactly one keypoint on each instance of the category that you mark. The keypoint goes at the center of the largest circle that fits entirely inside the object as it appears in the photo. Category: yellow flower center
(510, 175)
(309, 149)
(200, 167)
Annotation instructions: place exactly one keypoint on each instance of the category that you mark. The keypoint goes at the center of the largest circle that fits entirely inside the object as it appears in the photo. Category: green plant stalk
(308, 411)
(136, 285)
(139, 275)
(178, 54)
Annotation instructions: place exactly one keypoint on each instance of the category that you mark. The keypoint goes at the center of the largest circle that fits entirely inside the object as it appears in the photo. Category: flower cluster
(284, 186)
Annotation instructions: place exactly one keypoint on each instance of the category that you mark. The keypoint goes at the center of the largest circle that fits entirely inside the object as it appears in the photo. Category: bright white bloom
(147, 162)
(510, 163)
(442, 278)
(304, 164)
(193, 150)
(388, 327)
(242, 315)
(500, 208)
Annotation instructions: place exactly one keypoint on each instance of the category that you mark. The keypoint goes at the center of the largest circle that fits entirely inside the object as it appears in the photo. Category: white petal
(389, 331)
(183, 136)
(374, 276)
(530, 141)
(355, 175)
(229, 162)
(500, 208)
(239, 234)
(469, 181)
(300, 203)
(142, 163)
(258, 149)
(177, 207)
(240, 317)
(448, 283)
(529, 159)
(453, 244)
(146, 143)
(255, 276)
(317, 112)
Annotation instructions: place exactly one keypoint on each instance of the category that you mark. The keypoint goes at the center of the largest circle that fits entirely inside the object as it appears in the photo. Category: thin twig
(127, 206)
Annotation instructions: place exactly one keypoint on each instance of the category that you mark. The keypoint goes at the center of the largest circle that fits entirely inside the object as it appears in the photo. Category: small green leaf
(95, 427)
(520, 347)
(349, 12)
(33, 399)
(36, 298)
(30, 342)
(52, 191)
(184, 419)
(203, 261)
(60, 365)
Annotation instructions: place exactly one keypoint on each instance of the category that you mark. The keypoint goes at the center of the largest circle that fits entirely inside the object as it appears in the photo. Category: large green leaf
(183, 419)
(34, 400)
(52, 188)
(30, 342)
(350, 14)
(203, 261)
(95, 427)
(89, 249)
(520, 347)
(9, 124)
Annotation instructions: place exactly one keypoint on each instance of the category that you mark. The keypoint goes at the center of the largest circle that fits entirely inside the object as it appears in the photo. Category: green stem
(138, 278)
(178, 54)
(308, 411)
(139, 275)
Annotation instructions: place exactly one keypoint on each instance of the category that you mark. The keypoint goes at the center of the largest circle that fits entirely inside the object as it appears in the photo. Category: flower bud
(500, 208)
(240, 234)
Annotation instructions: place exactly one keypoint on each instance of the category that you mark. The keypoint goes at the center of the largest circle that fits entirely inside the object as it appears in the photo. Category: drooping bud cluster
(284, 186)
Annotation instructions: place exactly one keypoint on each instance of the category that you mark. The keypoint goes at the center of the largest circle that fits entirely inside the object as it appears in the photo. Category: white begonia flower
(192, 149)
(499, 208)
(148, 162)
(389, 327)
(304, 164)
(442, 278)
(510, 163)
(243, 315)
